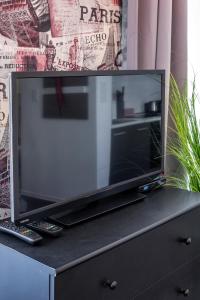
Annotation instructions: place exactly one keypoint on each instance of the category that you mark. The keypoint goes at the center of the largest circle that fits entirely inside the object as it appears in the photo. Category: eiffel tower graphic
(5, 139)
(108, 61)
(5, 169)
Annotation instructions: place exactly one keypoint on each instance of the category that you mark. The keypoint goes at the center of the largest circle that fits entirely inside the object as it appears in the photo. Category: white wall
(194, 43)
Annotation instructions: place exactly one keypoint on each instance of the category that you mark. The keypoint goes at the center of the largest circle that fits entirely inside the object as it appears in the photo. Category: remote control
(45, 227)
(22, 232)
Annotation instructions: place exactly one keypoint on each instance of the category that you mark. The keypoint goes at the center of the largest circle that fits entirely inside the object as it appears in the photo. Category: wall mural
(54, 35)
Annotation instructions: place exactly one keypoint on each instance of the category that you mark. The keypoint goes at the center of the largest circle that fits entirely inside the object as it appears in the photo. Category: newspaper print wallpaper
(54, 35)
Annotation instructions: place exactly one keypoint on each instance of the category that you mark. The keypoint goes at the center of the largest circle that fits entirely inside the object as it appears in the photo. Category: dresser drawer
(183, 283)
(126, 270)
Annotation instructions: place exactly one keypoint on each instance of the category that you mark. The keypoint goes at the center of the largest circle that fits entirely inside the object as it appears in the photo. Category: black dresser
(148, 250)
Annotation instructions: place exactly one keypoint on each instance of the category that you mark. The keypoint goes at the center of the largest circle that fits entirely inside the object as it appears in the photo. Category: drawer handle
(111, 284)
(187, 241)
(185, 292)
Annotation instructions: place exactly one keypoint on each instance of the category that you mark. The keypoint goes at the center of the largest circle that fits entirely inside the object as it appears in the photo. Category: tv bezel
(134, 182)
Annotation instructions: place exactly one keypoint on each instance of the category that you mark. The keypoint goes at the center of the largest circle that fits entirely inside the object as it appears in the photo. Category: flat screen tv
(79, 137)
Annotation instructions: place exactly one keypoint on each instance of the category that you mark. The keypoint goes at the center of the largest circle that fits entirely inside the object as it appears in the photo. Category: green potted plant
(184, 140)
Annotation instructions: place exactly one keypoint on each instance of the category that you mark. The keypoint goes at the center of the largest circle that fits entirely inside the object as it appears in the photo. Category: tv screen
(78, 134)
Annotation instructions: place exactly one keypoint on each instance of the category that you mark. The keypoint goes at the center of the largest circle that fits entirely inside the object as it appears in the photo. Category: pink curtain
(157, 39)
(179, 41)
(157, 35)
(147, 33)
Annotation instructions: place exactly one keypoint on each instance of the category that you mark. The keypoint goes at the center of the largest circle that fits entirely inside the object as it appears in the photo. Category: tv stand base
(97, 208)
